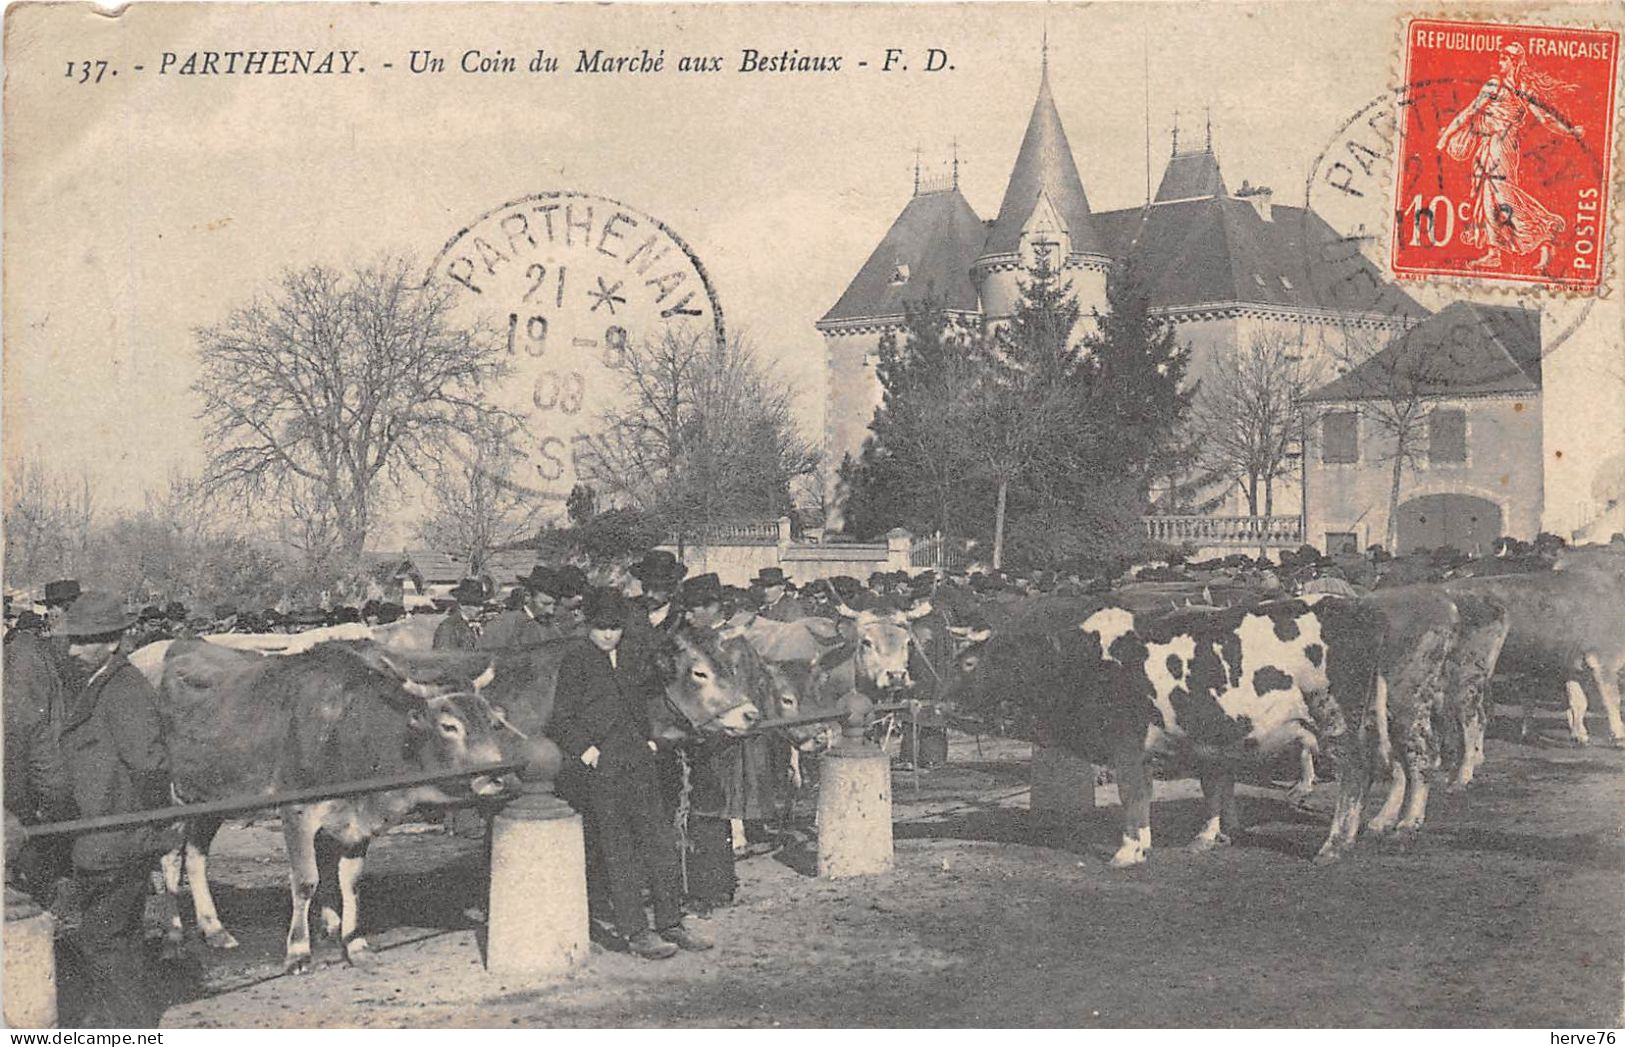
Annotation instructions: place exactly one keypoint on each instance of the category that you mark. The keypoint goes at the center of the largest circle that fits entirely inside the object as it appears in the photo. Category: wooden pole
(244, 804)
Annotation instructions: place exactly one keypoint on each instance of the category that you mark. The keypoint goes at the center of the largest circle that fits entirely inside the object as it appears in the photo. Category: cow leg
(1388, 814)
(169, 876)
(736, 829)
(1354, 781)
(1219, 801)
(1606, 678)
(1416, 797)
(1134, 790)
(1577, 713)
(351, 861)
(199, 837)
(1305, 784)
(299, 826)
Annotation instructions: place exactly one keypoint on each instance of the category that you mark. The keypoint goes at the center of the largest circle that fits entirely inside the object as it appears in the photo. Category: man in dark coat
(777, 603)
(515, 627)
(601, 722)
(116, 759)
(37, 788)
(454, 633)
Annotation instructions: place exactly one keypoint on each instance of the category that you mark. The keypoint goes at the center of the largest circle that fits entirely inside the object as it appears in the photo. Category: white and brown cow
(1228, 687)
(1435, 657)
(1565, 625)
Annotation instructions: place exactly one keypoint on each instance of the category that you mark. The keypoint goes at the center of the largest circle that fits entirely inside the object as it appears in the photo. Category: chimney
(1259, 196)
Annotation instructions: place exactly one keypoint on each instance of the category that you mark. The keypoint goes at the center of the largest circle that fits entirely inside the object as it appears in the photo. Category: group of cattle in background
(1394, 685)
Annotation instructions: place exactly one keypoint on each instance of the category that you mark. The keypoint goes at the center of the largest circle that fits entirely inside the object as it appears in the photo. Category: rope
(679, 820)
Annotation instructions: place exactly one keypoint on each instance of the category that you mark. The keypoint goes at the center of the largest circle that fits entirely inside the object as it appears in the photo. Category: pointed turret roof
(1044, 167)
(928, 251)
(1191, 176)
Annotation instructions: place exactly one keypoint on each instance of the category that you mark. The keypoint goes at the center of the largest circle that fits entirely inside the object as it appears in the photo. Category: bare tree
(49, 520)
(1251, 412)
(334, 385)
(1393, 389)
(704, 433)
(474, 509)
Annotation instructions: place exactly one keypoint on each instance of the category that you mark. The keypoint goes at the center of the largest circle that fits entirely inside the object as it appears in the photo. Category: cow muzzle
(739, 719)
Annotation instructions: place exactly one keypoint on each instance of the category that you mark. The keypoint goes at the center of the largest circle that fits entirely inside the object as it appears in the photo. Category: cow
(514, 698)
(1435, 659)
(1565, 624)
(874, 660)
(239, 723)
(1228, 687)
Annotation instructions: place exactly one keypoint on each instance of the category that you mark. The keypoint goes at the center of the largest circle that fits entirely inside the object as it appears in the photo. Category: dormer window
(1259, 280)
(899, 275)
(1285, 282)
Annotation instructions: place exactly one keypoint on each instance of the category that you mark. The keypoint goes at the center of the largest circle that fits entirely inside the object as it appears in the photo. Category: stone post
(899, 543)
(1063, 789)
(537, 923)
(854, 802)
(30, 964)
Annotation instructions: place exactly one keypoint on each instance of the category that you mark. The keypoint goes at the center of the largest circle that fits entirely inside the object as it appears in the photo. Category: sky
(144, 207)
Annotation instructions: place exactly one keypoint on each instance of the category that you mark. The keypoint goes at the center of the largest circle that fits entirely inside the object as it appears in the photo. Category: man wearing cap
(601, 722)
(777, 604)
(454, 633)
(116, 760)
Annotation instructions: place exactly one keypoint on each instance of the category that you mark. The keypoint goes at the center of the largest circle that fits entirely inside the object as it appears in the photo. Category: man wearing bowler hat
(777, 603)
(601, 722)
(116, 760)
(514, 627)
(454, 633)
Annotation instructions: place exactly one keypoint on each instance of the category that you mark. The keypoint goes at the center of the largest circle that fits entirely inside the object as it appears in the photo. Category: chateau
(1227, 267)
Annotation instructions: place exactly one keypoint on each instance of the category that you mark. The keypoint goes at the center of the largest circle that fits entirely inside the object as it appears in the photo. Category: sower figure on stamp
(1504, 216)
(601, 721)
(116, 758)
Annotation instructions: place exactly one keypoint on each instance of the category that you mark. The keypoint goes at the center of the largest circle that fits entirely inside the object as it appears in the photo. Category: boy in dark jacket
(117, 762)
(601, 720)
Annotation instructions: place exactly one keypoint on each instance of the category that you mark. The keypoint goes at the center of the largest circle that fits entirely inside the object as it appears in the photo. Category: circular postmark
(1361, 206)
(573, 281)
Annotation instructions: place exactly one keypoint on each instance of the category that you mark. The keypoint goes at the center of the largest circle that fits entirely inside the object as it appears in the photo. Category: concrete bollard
(537, 921)
(30, 964)
(1063, 789)
(854, 810)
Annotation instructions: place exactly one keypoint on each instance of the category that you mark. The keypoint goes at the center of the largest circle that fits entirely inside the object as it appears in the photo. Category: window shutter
(1340, 444)
(1447, 435)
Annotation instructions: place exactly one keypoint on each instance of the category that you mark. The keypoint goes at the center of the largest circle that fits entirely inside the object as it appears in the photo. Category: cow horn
(960, 631)
(840, 604)
(979, 635)
(417, 690)
(483, 680)
(914, 614)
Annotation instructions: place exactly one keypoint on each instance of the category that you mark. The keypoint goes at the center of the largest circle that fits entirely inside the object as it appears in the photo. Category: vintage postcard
(790, 515)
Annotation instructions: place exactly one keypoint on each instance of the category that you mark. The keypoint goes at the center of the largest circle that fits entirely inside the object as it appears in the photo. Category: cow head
(701, 686)
(781, 690)
(881, 646)
(452, 726)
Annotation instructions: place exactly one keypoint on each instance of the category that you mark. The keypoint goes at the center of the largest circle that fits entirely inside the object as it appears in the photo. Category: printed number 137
(87, 72)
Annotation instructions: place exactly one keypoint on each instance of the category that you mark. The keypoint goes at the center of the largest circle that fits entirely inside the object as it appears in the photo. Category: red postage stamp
(1505, 141)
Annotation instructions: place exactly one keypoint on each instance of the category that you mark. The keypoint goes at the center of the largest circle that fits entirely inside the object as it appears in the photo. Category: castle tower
(1045, 213)
(927, 253)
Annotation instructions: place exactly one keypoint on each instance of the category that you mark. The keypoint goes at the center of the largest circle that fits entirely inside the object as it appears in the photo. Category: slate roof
(1465, 349)
(1044, 165)
(1220, 249)
(937, 237)
(1188, 175)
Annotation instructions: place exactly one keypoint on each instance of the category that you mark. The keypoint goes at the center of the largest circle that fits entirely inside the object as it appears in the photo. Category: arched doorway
(1464, 521)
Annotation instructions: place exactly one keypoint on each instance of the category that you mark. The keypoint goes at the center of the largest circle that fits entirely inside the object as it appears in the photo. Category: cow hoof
(1299, 795)
(1328, 855)
(1617, 743)
(358, 953)
(220, 939)
(172, 951)
(330, 923)
(1203, 844)
(297, 964)
(1127, 859)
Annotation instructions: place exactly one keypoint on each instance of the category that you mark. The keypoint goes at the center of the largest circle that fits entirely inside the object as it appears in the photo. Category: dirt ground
(1509, 910)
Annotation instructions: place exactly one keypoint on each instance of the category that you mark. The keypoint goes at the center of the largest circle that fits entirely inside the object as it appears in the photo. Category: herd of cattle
(1394, 685)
